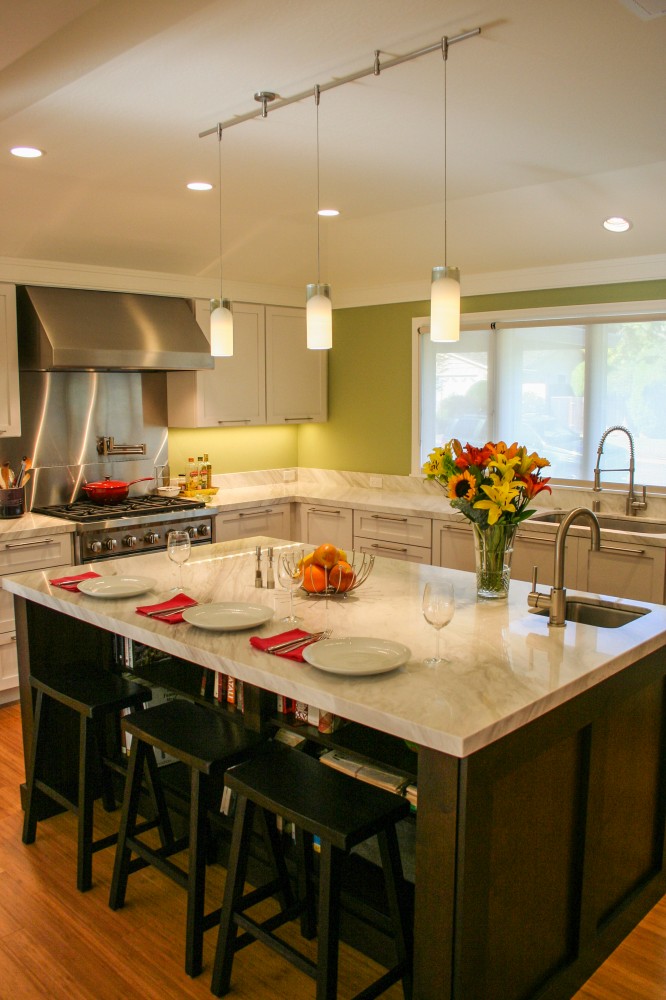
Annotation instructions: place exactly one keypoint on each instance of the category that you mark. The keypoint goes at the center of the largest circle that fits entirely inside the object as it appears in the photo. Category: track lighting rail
(377, 67)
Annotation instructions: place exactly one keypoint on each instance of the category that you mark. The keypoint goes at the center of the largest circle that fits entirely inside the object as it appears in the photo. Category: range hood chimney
(72, 329)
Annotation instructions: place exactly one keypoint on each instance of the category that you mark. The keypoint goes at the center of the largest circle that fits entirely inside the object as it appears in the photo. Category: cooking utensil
(111, 490)
(4, 472)
(21, 478)
(304, 640)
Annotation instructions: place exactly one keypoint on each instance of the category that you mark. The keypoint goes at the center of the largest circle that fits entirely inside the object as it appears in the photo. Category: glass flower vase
(493, 548)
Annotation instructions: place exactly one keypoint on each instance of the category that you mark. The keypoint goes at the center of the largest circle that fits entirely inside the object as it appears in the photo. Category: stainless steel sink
(610, 522)
(602, 614)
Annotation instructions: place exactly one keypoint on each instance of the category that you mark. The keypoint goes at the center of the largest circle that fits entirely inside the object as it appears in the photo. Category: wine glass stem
(437, 631)
(291, 603)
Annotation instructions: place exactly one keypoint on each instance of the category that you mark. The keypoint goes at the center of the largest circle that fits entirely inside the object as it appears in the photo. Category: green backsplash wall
(370, 387)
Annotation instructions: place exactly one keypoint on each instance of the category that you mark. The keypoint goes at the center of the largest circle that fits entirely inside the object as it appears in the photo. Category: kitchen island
(540, 831)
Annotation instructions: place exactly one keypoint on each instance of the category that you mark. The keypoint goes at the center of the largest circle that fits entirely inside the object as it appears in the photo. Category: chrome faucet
(556, 601)
(633, 504)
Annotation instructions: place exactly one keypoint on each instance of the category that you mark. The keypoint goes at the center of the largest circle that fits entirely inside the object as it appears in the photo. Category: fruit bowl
(346, 575)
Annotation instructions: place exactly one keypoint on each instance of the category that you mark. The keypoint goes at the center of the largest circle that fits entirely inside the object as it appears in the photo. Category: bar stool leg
(233, 893)
(306, 894)
(108, 796)
(330, 880)
(393, 878)
(36, 754)
(127, 824)
(196, 880)
(271, 839)
(85, 805)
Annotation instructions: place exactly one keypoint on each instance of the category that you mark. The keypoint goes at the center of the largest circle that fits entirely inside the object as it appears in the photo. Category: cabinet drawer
(398, 529)
(271, 520)
(377, 547)
(24, 554)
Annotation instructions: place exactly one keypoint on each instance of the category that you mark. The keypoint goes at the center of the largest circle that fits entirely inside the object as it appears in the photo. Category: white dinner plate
(228, 616)
(116, 586)
(356, 656)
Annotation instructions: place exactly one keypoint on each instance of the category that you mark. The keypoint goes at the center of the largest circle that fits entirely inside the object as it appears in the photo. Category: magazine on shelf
(381, 777)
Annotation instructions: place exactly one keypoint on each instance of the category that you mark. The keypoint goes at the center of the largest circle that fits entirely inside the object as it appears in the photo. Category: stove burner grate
(85, 511)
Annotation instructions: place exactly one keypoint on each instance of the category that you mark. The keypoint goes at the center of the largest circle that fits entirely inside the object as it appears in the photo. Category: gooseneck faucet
(633, 504)
(556, 601)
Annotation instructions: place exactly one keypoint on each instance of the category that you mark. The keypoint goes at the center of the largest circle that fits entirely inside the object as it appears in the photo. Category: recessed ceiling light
(328, 211)
(200, 186)
(27, 152)
(616, 224)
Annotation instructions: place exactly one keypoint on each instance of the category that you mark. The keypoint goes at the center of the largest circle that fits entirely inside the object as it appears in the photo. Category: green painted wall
(368, 429)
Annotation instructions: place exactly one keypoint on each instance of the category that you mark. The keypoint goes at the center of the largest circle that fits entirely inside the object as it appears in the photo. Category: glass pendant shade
(221, 329)
(319, 317)
(445, 304)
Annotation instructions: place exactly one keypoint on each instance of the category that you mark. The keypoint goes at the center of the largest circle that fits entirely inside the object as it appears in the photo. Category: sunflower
(462, 486)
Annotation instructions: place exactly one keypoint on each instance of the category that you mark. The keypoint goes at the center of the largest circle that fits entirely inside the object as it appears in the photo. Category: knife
(305, 640)
(167, 611)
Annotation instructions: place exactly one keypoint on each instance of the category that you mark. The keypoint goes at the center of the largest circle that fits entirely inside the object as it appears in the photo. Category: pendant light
(221, 318)
(319, 309)
(445, 287)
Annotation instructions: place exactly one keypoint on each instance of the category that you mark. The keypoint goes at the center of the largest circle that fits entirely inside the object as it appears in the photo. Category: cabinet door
(232, 394)
(628, 570)
(296, 378)
(453, 546)
(8, 667)
(534, 549)
(320, 523)
(10, 414)
(271, 520)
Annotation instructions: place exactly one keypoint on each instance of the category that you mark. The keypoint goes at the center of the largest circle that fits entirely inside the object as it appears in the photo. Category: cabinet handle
(387, 517)
(297, 420)
(619, 550)
(545, 539)
(389, 548)
(243, 420)
(254, 513)
(323, 510)
(27, 545)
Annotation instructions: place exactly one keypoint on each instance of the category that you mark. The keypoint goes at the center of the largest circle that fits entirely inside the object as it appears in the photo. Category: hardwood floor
(58, 943)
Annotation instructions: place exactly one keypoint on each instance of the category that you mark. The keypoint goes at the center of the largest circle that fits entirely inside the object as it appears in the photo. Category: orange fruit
(342, 577)
(314, 579)
(326, 555)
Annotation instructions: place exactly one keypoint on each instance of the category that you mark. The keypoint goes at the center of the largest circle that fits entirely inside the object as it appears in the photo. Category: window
(554, 386)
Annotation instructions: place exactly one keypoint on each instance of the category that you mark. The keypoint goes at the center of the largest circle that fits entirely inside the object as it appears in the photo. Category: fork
(306, 640)
(167, 612)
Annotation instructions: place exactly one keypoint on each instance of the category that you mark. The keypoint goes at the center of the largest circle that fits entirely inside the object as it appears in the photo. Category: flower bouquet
(492, 486)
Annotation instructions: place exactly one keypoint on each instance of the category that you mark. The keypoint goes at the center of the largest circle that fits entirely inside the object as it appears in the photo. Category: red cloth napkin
(261, 642)
(178, 601)
(72, 582)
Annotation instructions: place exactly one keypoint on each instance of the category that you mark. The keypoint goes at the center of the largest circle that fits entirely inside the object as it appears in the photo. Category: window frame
(607, 312)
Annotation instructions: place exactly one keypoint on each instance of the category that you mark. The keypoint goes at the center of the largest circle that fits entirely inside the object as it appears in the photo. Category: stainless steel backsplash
(64, 414)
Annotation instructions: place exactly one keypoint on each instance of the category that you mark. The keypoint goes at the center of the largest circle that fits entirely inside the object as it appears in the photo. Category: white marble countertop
(505, 666)
(30, 524)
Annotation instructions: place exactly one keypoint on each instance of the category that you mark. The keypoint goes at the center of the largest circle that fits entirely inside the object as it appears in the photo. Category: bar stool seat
(342, 812)
(95, 694)
(207, 742)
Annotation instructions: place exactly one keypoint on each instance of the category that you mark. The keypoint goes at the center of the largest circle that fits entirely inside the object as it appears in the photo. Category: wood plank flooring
(58, 943)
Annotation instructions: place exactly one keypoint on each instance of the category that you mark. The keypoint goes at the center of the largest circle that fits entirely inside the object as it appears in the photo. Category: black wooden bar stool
(207, 742)
(342, 812)
(98, 697)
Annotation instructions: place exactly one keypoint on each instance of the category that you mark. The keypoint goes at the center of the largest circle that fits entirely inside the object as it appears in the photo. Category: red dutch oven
(111, 490)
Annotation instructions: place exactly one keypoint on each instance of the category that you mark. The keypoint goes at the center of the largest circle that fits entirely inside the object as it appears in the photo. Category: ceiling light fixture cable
(445, 281)
(319, 309)
(221, 317)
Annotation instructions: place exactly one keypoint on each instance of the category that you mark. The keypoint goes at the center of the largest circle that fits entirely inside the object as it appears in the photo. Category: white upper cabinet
(296, 378)
(10, 412)
(232, 394)
(272, 377)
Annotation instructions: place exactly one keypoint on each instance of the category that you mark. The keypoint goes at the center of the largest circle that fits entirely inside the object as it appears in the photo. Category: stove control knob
(151, 537)
(191, 532)
(203, 530)
(110, 544)
(95, 546)
(130, 541)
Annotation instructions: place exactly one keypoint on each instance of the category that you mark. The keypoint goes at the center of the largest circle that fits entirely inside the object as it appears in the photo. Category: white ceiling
(556, 119)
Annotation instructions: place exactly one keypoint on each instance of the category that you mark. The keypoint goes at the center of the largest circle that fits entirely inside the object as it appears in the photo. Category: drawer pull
(323, 510)
(243, 420)
(387, 517)
(254, 513)
(622, 551)
(389, 548)
(27, 545)
(297, 420)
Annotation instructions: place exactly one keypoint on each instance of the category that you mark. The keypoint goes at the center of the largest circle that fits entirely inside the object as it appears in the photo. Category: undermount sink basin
(602, 614)
(609, 522)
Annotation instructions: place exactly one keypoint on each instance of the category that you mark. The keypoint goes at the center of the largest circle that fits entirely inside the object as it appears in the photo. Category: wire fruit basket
(344, 577)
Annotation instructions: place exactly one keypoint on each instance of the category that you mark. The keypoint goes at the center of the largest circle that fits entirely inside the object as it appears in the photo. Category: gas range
(135, 525)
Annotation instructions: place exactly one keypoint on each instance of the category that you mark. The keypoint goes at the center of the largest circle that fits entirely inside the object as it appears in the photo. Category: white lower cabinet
(622, 569)
(533, 549)
(271, 519)
(397, 536)
(321, 523)
(453, 545)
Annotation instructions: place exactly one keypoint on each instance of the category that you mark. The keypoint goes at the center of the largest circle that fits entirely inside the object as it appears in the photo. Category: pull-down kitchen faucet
(633, 504)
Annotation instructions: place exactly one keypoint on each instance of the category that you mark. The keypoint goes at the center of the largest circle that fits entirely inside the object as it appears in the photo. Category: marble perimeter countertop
(504, 665)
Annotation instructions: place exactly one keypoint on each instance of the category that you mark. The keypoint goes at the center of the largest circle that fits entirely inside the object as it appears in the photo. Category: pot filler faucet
(556, 601)
(633, 504)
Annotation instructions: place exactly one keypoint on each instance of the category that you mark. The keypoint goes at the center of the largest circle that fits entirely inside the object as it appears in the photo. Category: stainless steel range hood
(71, 329)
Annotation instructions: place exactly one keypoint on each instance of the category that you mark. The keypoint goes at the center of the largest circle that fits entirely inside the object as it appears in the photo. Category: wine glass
(178, 551)
(438, 606)
(290, 577)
